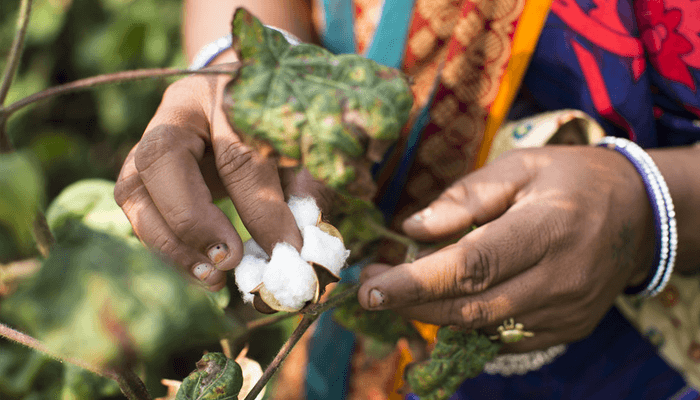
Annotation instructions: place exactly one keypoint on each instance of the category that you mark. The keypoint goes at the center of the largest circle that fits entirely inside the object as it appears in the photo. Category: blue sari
(641, 86)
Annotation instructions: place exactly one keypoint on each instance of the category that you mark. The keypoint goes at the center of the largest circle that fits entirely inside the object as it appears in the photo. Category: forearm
(206, 20)
(681, 169)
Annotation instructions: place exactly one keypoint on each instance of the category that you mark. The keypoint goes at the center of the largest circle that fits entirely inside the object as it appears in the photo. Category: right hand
(190, 155)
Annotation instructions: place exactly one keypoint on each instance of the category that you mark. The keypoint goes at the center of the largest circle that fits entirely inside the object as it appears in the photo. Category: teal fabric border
(389, 40)
(339, 35)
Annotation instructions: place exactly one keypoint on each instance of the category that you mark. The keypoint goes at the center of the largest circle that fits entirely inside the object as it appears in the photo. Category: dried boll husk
(264, 300)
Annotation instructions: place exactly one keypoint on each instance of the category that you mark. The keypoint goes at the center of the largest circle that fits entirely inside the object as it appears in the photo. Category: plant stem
(26, 340)
(130, 384)
(25, 9)
(411, 245)
(309, 317)
(281, 355)
(100, 80)
(265, 321)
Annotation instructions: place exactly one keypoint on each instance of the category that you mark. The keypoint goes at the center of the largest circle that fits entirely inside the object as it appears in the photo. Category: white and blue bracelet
(209, 52)
(664, 215)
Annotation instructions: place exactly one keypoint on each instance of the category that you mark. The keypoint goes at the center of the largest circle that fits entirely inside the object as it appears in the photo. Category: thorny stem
(100, 80)
(131, 386)
(309, 317)
(16, 49)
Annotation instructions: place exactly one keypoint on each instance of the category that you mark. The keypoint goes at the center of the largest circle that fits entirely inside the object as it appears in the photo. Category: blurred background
(88, 134)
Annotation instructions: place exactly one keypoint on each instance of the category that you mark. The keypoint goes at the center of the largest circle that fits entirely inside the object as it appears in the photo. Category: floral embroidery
(659, 30)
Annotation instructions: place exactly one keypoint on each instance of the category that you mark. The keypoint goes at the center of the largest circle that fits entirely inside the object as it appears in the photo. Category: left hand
(562, 231)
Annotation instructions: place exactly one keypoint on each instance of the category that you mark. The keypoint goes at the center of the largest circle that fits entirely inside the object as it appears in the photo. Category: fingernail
(420, 216)
(376, 298)
(202, 271)
(218, 253)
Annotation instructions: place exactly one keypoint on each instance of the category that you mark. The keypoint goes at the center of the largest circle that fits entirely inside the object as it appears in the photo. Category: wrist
(665, 231)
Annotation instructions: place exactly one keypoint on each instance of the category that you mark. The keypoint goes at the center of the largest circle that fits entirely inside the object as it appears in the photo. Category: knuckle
(235, 162)
(185, 222)
(479, 268)
(154, 144)
(474, 314)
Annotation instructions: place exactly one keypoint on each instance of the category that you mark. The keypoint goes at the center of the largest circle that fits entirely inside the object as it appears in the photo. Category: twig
(265, 321)
(100, 80)
(130, 384)
(309, 317)
(281, 355)
(25, 9)
(26, 340)
(411, 245)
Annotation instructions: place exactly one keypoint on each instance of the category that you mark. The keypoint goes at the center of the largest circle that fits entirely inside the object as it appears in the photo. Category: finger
(168, 162)
(372, 270)
(254, 186)
(491, 307)
(301, 183)
(151, 228)
(476, 199)
(485, 257)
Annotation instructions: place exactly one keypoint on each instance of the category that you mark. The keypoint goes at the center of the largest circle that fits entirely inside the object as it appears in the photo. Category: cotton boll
(324, 249)
(248, 275)
(305, 211)
(252, 248)
(289, 278)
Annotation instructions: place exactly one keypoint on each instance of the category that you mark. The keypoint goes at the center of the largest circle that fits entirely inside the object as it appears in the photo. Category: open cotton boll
(324, 249)
(248, 275)
(252, 248)
(305, 210)
(289, 278)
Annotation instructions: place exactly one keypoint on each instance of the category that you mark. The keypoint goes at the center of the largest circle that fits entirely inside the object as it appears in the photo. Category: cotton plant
(288, 280)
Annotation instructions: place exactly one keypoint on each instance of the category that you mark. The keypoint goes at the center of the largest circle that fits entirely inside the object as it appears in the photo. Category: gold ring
(510, 332)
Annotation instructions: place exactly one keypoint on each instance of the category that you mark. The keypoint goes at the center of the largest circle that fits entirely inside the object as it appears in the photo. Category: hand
(562, 231)
(188, 156)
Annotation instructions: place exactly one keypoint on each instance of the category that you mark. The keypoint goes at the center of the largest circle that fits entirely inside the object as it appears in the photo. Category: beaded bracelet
(664, 215)
(210, 51)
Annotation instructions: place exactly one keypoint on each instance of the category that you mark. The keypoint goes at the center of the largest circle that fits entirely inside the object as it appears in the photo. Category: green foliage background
(88, 134)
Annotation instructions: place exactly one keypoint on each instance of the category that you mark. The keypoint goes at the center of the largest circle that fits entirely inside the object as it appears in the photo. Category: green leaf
(99, 300)
(90, 201)
(216, 378)
(457, 356)
(311, 106)
(21, 186)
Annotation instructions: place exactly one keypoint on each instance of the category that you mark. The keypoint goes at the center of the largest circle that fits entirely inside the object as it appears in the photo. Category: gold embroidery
(442, 113)
(422, 43)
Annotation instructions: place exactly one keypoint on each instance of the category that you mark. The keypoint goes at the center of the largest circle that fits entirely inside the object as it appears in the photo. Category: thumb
(475, 199)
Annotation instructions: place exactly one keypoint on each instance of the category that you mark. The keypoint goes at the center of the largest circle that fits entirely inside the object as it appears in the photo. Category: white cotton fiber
(305, 211)
(248, 275)
(289, 278)
(324, 249)
(252, 248)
